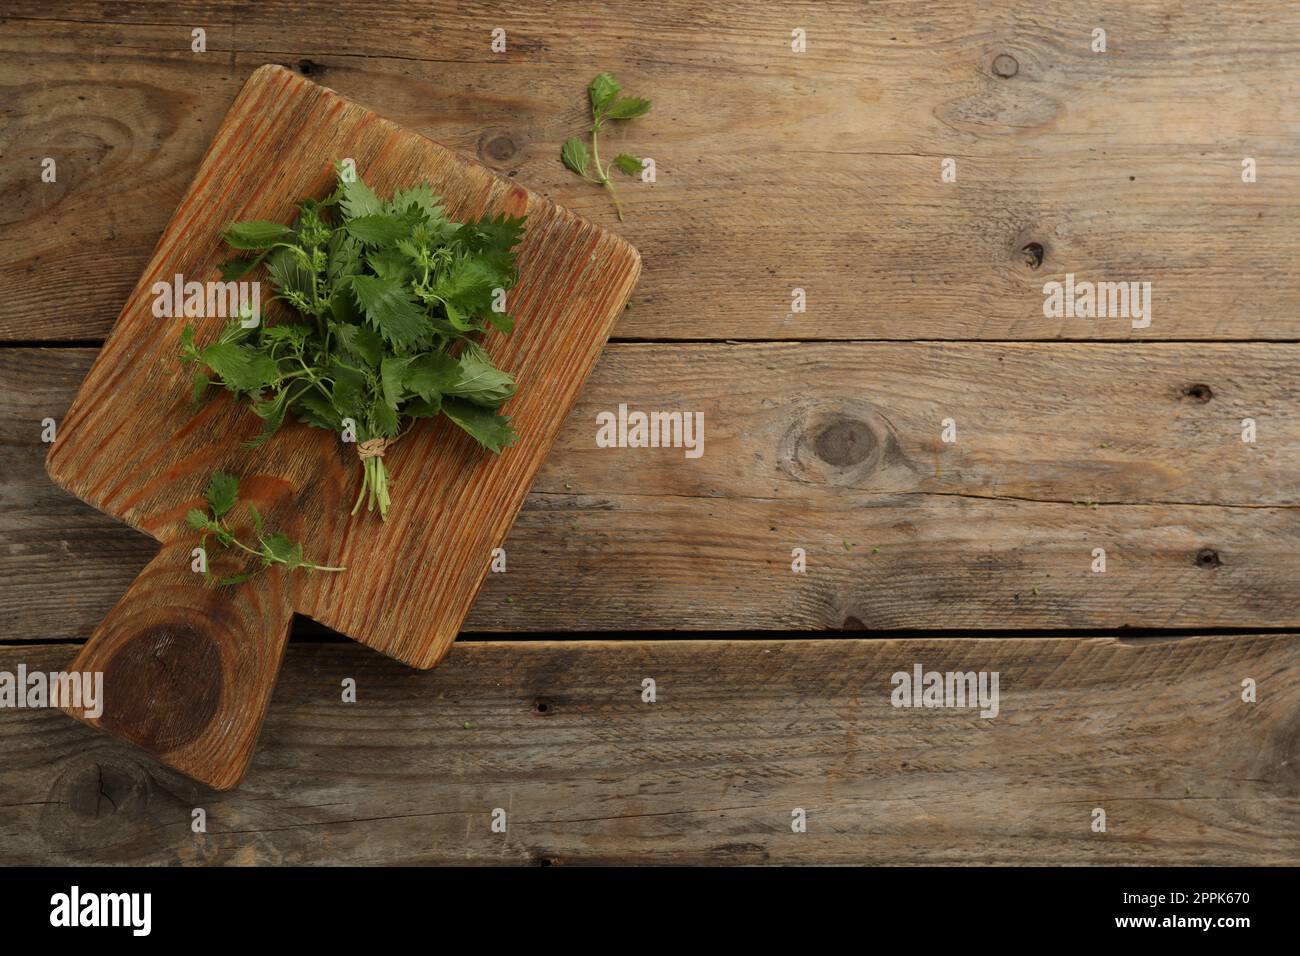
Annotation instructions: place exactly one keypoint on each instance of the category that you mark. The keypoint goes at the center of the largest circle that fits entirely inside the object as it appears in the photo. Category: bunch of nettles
(387, 300)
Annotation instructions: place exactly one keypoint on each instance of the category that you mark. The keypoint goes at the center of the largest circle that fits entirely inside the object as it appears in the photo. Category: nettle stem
(374, 480)
(603, 172)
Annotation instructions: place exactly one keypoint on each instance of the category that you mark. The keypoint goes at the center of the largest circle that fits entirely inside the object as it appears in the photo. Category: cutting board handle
(188, 667)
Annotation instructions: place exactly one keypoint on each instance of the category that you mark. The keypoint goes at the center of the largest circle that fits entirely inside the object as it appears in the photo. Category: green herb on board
(388, 298)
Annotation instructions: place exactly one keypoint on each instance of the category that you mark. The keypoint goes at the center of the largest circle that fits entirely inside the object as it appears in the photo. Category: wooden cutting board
(189, 668)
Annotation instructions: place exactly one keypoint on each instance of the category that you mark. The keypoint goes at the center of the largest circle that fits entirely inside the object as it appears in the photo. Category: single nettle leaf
(432, 374)
(235, 269)
(602, 90)
(315, 409)
(283, 549)
(222, 493)
(196, 519)
(489, 429)
(627, 108)
(271, 411)
(295, 333)
(628, 163)
(390, 264)
(240, 368)
(343, 306)
(290, 271)
(480, 381)
(356, 199)
(391, 310)
(467, 283)
(419, 197)
(377, 230)
(499, 233)
(383, 418)
(198, 386)
(349, 394)
(343, 256)
(460, 321)
(256, 234)
(392, 380)
(361, 341)
(502, 322)
(422, 407)
(257, 518)
(575, 156)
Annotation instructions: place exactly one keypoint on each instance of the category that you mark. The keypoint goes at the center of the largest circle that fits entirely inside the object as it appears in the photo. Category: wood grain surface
(740, 735)
(775, 170)
(834, 448)
(133, 446)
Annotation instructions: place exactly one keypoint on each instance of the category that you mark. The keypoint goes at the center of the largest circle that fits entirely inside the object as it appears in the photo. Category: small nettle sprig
(277, 548)
(606, 105)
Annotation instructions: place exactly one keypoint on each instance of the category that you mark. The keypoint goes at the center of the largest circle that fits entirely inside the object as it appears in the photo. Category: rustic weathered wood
(741, 733)
(132, 446)
(1061, 448)
(775, 170)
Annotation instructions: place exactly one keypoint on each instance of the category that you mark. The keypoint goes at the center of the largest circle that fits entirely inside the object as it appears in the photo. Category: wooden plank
(775, 170)
(1061, 448)
(740, 735)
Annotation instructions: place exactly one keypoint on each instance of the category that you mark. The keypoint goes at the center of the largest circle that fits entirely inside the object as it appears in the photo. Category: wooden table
(821, 171)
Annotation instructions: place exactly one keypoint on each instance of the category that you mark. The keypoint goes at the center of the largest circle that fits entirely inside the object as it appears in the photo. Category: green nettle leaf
(628, 164)
(343, 256)
(362, 342)
(377, 230)
(432, 374)
(357, 200)
(256, 234)
(241, 369)
(628, 108)
(198, 386)
(480, 381)
(391, 310)
(603, 89)
(196, 519)
(283, 549)
(390, 298)
(390, 264)
(290, 272)
(574, 154)
(383, 417)
(499, 233)
(392, 379)
(315, 409)
(489, 429)
(468, 284)
(222, 493)
(501, 322)
(420, 198)
(235, 269)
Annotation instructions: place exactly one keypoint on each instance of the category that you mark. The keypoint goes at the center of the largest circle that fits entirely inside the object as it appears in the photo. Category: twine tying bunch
(373, 448)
